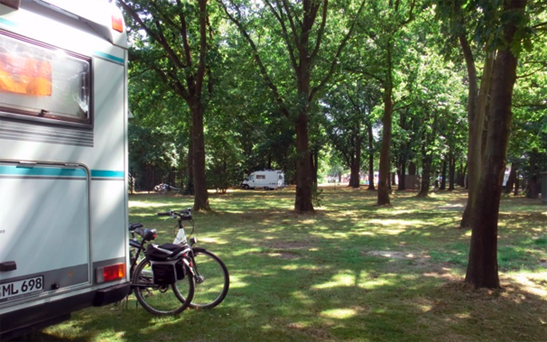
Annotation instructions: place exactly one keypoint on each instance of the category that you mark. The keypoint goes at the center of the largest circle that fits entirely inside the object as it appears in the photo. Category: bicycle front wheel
(161, 299)
(211, 278)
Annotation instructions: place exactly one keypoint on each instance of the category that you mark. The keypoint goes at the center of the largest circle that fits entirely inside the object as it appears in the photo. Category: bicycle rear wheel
(211, 278)
(161, 299)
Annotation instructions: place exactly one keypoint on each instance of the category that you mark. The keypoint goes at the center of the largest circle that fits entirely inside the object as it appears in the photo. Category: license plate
(21, 287)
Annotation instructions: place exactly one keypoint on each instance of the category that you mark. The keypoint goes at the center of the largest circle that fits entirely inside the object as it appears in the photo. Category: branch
(184, 34)
(279, 17)
(531, 73)
(322, 84)
(172, 81)
(288, 10)
(409, 13)
(203, 45)
(321, 30)
(258, 60)
(156, 37)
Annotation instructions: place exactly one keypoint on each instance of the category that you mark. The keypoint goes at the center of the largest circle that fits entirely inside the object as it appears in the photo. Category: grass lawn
(352, 272)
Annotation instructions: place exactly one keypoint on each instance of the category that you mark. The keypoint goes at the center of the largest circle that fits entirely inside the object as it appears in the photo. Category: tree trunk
(355, 176)
(370, 158)
(517, 185)
(387, 119)
(190, 166)
(451, 172)
(532, 185)
(476, 135)
(303, 201)
(314, 158)
(402, 174)
(426, 174)
(462, 176)
(482, 269)
(443, 175)
(511, 180)
(201, 197)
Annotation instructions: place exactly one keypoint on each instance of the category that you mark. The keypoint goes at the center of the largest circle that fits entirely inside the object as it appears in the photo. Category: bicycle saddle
(133, 226)
(147, 234)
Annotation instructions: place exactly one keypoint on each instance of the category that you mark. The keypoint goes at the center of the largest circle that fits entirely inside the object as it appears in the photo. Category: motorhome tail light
(11, 3)
(110, 273)
(117, 22)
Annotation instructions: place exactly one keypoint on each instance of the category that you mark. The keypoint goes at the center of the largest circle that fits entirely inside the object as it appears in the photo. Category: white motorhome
(63, 160)
(267, 180)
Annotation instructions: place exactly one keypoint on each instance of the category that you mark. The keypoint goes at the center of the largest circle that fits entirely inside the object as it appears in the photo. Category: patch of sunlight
(110, 335)
(235, 211)
(139, 204)
(365, 234)
(398, 222)
(241, 252)
(338, 280)
(237, 282)
(314, 249)
(373, 283)
(247, 239)
(532, 282)
(267, 327)
(340, 235)
(216, 241)
(303, 298)
(400, 212)
(298, 325)
(425, 307)
(465, 315)
(294, 267)
(67, 328)
(339, 313)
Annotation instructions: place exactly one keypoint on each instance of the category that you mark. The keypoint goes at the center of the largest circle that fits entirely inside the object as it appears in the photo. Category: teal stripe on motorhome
(7, 22)
(24, 170)
(41, 171)
(110, 57)
(106, 174)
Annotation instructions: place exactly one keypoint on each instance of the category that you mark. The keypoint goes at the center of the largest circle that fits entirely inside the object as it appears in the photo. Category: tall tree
(301, 28)
(175, 45)
(381, 31)
(461, 23)
(482, 269)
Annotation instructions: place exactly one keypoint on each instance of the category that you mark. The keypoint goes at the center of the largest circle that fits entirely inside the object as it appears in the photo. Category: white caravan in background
(63, 160)
(267, 180)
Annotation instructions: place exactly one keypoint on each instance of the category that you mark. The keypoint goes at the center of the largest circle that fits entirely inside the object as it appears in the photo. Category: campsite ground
(351, 272)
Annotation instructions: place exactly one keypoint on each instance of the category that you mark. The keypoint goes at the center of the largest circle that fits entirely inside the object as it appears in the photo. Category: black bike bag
(163, 252)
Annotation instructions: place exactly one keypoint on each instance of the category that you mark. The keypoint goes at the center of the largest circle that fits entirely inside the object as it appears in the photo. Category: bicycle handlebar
(183, 215)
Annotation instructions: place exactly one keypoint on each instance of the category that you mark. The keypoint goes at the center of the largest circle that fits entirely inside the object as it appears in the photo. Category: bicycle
(163, 280)
(210, 273)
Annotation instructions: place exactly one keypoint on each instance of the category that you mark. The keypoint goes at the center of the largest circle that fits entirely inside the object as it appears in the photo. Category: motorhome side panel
(108, 185)
(63, 195)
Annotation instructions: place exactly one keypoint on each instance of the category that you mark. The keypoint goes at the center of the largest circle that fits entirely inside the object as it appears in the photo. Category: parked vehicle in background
(63, 160)
(163, 188)
(266, 179)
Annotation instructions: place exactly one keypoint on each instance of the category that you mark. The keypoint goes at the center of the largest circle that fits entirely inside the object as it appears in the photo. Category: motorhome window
(36, 81)
(260, 176)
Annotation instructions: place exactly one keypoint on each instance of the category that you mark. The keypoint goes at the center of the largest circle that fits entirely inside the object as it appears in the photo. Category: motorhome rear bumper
(13, 324)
